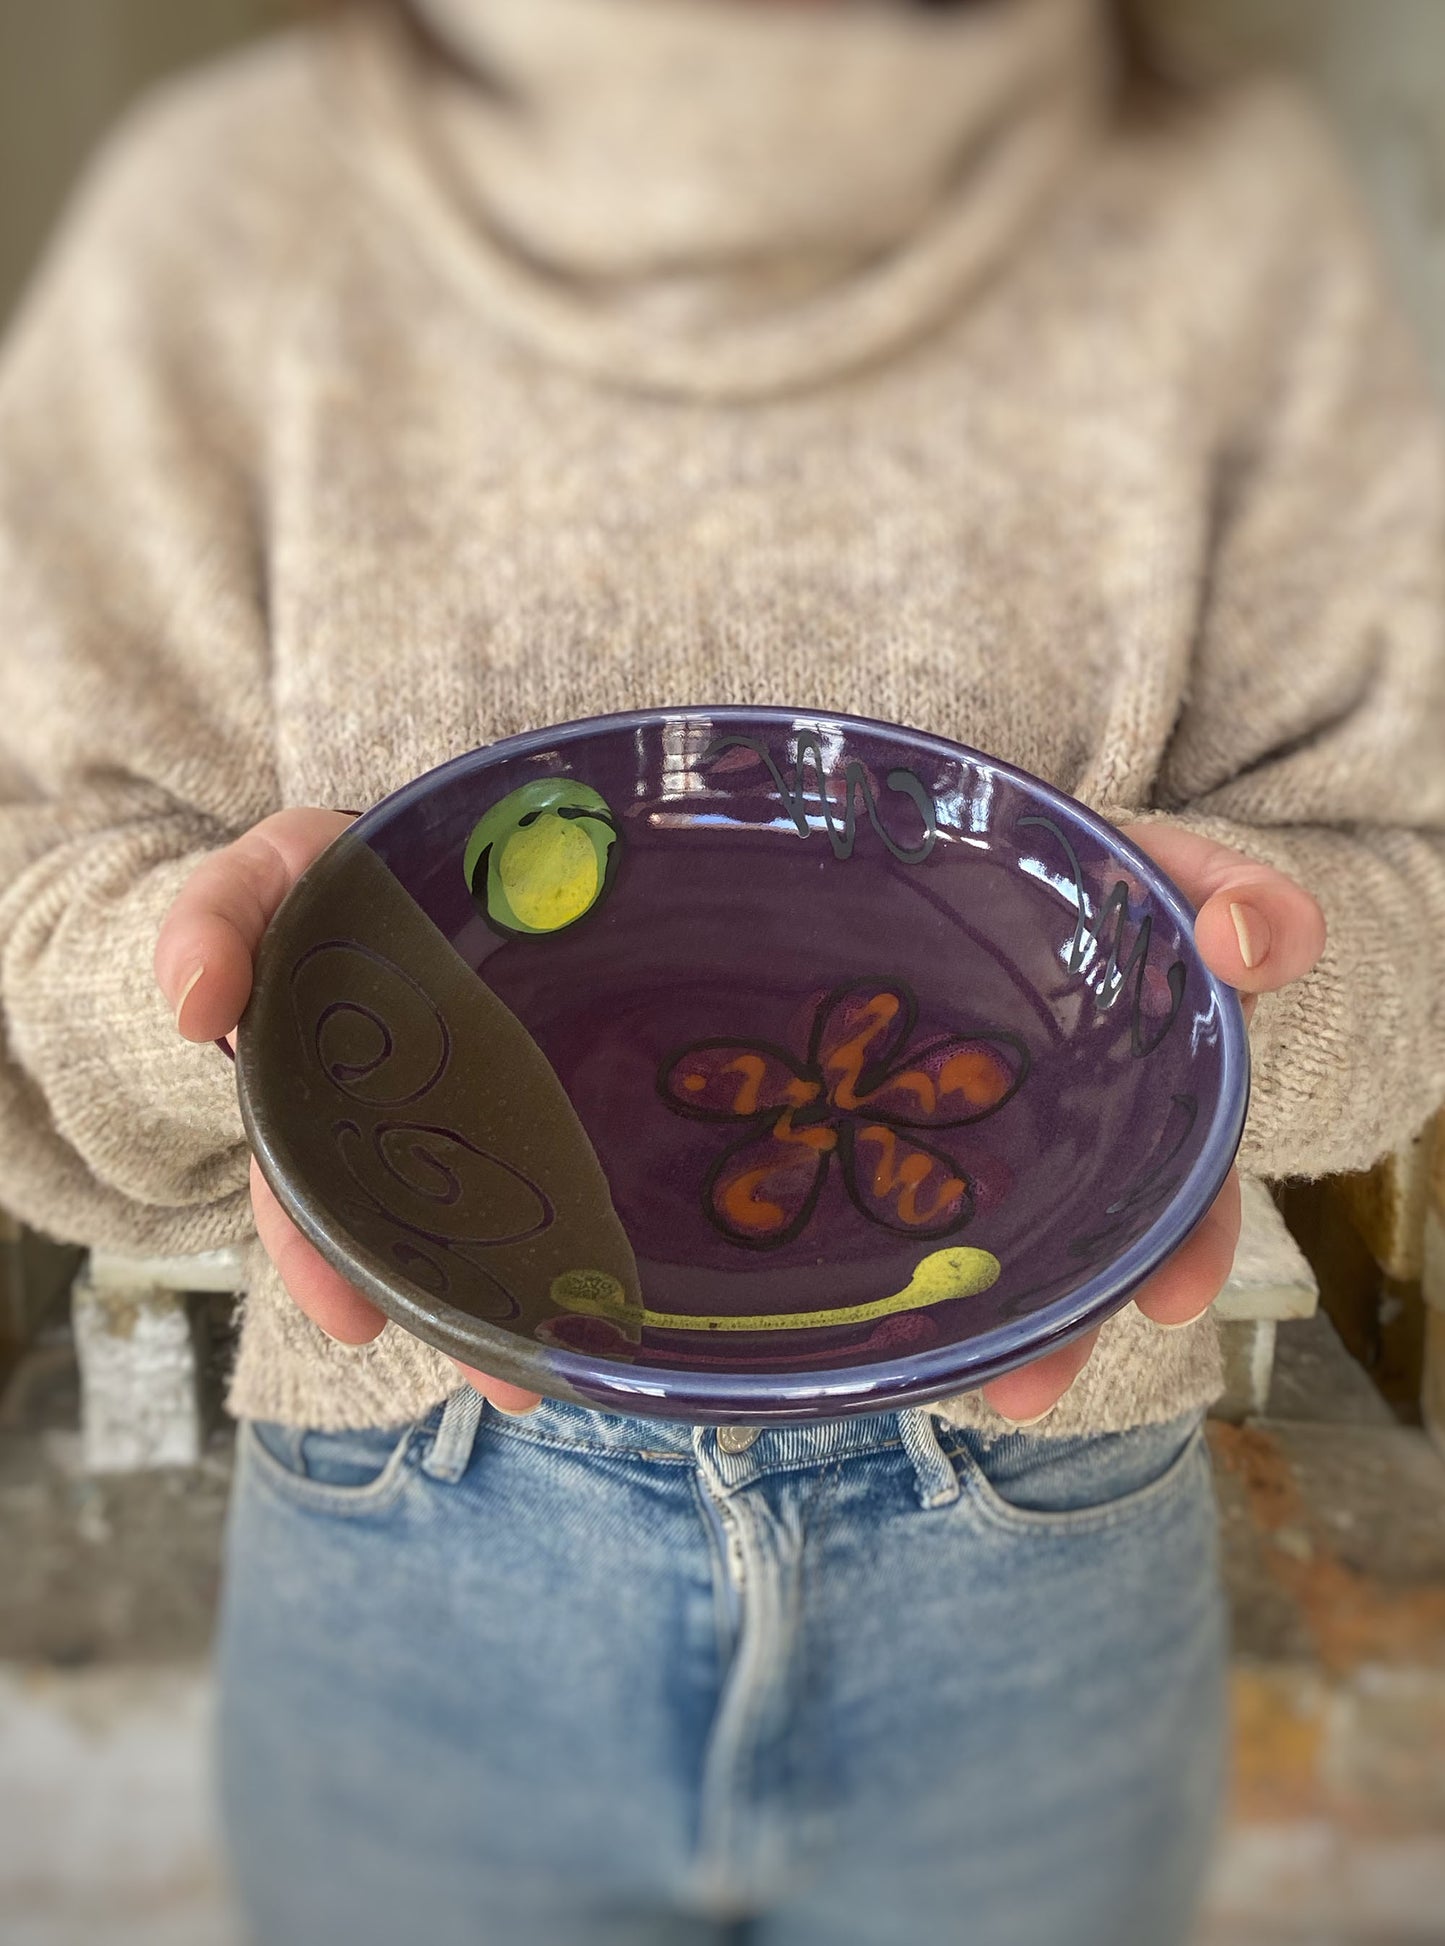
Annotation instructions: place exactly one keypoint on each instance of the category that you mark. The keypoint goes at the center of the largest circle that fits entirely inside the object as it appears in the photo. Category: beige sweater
(382, 396)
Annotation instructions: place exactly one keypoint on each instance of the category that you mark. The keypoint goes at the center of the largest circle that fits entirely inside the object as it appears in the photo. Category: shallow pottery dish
(740, 1065)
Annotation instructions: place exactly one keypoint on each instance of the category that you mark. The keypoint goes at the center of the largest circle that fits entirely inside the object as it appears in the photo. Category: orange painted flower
(858, 1095)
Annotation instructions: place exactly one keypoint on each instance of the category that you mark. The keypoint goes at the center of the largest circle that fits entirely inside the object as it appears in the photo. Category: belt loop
(933, 1470)
(451, 1450)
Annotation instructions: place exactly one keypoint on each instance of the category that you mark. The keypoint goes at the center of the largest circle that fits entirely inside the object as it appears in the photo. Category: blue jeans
(584, 1680)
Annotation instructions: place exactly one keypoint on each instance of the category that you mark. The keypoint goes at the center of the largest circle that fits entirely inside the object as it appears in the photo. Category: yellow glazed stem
(945, 1274)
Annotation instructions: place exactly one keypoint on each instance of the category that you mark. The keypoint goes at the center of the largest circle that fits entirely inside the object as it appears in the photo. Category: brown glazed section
(414, 1129)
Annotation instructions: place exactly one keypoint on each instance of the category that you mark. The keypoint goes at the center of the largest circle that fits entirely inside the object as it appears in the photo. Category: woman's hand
(205, 958)
(1259, 931)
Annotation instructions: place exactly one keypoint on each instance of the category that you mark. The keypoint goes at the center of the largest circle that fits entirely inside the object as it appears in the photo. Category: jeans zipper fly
(730, 1548)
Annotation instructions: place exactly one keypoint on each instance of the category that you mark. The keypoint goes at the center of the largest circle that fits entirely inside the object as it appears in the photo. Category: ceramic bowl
(739, 1064)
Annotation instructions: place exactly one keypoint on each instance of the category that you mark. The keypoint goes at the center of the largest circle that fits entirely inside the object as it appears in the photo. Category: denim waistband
(732, 1457)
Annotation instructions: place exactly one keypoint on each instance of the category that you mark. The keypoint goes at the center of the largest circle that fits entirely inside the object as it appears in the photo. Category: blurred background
(114, 1455)
(67, 66)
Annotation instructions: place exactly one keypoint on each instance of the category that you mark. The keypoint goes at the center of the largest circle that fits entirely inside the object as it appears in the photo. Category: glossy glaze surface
(737, 1064)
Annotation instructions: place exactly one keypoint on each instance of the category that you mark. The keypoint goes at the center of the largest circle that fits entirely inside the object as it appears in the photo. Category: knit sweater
(386, 392)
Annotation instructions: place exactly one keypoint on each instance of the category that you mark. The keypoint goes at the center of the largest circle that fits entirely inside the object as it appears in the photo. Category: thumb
(1255, 927)
(207, 942)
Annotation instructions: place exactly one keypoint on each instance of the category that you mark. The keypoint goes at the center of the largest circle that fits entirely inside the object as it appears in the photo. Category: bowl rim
(711, 1396)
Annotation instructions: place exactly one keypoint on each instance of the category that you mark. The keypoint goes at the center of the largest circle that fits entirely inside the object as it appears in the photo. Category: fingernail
(186, 991)
(1182, 1325)
(1022, 1425)
(515, 1412)
(1251, 929)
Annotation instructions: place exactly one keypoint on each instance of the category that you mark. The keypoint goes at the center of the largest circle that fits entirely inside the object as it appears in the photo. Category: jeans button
(737, 1439)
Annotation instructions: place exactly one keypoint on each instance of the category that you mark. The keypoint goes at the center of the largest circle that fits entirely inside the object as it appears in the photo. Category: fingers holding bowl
(1027, 1395)
(318, 1290)
(1184, 1287)
(336, 1306)
(510, 1399)
(1254, 926)
(1262, 935)
(1180, 1291)
(206, 948)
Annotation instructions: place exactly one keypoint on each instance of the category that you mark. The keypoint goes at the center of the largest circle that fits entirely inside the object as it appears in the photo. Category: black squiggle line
(420, 1155)
(366, 1202)
(808, 748)
(316, 1029)
(1153, 1188)
(347, 1152)
(1114, 977)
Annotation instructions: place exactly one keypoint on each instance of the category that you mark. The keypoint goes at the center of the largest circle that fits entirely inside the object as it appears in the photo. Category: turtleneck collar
(723, 198)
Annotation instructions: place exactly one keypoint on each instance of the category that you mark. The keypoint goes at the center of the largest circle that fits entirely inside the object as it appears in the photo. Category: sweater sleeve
(135, 724)
(1313, 731)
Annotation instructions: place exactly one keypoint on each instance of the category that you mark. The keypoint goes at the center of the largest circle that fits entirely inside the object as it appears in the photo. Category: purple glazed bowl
(740, 1064)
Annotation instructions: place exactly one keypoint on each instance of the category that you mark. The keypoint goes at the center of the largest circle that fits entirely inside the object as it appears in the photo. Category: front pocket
(354, 1472)
(1033, 1485)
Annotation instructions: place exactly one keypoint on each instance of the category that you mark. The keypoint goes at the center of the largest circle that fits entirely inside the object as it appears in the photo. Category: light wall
(66, 66)
(1379, 67)
(66, 69)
